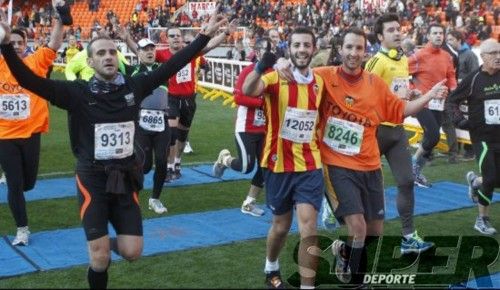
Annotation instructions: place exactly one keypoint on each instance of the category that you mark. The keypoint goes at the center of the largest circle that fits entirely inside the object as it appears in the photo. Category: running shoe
(342, 269)
(219, 166)
(274, 281)
(188, 149)
(170, 174)
(22, 237)
(483, 226)
(327, 218)
(473, 192)
(252, 209)
(420, 179)
(415, 244)
(156, 206)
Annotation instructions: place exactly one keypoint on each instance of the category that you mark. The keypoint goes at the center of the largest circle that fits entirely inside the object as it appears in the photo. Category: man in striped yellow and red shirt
(290, 159)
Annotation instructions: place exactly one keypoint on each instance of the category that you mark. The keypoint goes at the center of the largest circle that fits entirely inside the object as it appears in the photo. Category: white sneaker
(219, 166)
(22, 237)
(3, 179)
(483, 226)
(188, 149)
(157, 206)
(252, 209)
(342, 269)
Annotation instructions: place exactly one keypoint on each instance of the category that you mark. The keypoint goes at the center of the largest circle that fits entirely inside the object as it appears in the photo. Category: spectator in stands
(467, 63)
(322, 55)
(408, 46)
(73, 48)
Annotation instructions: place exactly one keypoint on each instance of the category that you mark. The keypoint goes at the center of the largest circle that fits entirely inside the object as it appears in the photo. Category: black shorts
(182, 108)
(98, 207)
(355, 192)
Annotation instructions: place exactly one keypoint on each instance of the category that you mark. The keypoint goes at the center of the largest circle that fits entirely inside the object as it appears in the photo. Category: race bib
(343, 136)
(492, 112)
(14, 107)
(114, 140)
(400, 86)
(184, 75)
(259, 118)
(436, 104)
(298, 125)
(152, 120)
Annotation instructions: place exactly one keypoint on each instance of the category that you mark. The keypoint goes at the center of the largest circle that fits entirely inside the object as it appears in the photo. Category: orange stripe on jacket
(86, 196)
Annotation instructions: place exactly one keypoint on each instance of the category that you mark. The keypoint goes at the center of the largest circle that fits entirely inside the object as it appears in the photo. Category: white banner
(375, 4)
(202, 8)
(9, 12)
(223, 74)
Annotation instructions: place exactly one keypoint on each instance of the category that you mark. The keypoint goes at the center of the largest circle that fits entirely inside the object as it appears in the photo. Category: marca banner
(375, 4)
(202, 8)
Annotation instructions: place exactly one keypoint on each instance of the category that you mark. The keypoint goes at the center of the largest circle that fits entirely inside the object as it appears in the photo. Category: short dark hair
(20, 32)
(100, 37)
(457, 34)
(434, 25)
(379, 23)
(352, 30)
(302, 30)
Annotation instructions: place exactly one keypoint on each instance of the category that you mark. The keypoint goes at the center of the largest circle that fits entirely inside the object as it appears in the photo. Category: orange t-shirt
(23, 113)
(349, 116)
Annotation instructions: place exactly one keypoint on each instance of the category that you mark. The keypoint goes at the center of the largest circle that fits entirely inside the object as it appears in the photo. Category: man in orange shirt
(349, 117)
(428, 66)
(23, 116)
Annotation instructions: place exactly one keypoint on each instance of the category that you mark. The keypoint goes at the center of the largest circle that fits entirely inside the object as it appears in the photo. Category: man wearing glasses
(481, 90)
(182, 93)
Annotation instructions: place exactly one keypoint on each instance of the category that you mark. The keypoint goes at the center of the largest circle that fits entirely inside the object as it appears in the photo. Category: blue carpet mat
(65, 187)
(485, 282)
(66, 248)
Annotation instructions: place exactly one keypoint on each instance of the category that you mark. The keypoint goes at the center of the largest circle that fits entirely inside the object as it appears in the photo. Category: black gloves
(267, 60)
(65, 14)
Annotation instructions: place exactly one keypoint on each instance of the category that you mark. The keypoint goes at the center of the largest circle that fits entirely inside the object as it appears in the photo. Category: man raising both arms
(105, 110)
(182, 95)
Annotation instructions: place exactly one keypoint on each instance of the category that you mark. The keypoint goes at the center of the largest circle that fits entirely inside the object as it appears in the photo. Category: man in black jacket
(105, 109)
(481, 90)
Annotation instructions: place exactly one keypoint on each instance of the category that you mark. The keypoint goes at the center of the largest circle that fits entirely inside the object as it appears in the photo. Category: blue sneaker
(327, 218)
(415, 245)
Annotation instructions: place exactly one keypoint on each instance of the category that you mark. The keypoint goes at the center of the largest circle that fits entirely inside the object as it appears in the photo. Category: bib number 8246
(344, 136)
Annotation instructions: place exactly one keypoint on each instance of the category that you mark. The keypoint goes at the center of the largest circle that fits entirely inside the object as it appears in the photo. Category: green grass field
(237, 265)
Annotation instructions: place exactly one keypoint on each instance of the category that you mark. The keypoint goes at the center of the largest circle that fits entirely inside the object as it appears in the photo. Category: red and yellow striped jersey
(291, 109)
